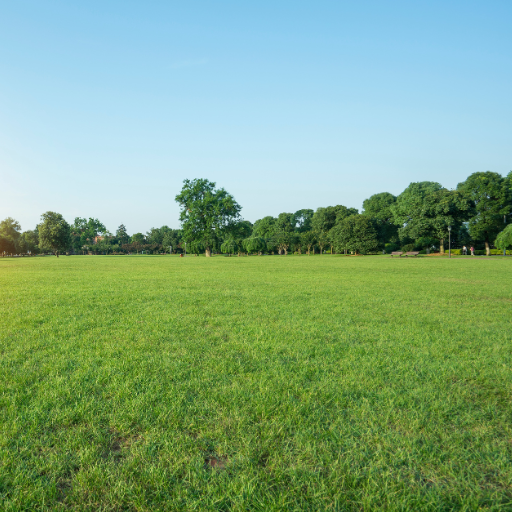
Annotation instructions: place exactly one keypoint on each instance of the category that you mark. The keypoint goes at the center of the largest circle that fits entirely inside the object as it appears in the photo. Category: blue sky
(107, 106)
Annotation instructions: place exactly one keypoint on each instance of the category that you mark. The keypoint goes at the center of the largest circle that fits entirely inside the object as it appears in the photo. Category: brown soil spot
(216, 462)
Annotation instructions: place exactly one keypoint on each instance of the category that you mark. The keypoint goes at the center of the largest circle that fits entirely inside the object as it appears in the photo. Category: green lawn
(261, 383)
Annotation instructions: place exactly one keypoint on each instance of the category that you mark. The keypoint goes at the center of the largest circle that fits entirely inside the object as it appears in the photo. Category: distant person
(465, 251)
(472, 249)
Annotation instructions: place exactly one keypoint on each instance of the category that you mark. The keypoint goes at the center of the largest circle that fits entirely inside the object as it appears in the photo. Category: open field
(260, 383)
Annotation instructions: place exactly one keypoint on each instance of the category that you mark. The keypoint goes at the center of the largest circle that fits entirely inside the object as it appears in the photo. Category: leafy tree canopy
(29, 241)
(426, 209)
(504, 239)
(308, 240)
(138, 238)
(378, 207)
(285, 223)
(122, 235)
(324, 219)
(240, 230)
(264, 228)
(84, 231)
(54, 232)
(490, 199)
(302, 220)
(255, 244)
(207, 213)
(355, 233)
(10, 232)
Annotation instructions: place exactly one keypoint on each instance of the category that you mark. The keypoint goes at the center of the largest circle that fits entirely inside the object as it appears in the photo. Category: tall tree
(54, 232)
(490, 198)
(378, 207)
(355, 233)
(29, 241)
(424, 211)
(122, 235)
(207, 213)
(84, 232)
(10, 232)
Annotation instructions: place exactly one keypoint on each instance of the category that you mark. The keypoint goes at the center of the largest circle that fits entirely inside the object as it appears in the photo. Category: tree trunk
(57, 253)
(487, 248)
(208, 253)
(441, 246)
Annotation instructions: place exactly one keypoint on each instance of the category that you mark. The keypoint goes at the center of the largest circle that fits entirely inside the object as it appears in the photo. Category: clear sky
(107, 106)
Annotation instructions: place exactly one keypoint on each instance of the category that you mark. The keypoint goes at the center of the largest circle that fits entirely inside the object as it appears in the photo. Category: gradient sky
(107, 106)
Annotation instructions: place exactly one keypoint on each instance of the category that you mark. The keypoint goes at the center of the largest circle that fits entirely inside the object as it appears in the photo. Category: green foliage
(229, 246)
(29, 242)
(504, 239)
(392, 247)
(308, 240)
(282, 240)
(240, 230)
(207, 214)
(302, 220)
(285, 223)
(138, 238)
(264, 228)
(426, 210)
(255, 244)
(378, 207)
(324, 219)
(356, 233)
(10, 232)
(490, 198)
(122, 235)
(172, 238)
(84, 232)
(54, 232)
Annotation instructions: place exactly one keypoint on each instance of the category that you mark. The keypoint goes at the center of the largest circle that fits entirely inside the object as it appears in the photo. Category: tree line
(478, 213)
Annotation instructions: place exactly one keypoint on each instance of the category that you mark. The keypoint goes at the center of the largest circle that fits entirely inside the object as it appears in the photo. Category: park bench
(397, 253)
(412, 253)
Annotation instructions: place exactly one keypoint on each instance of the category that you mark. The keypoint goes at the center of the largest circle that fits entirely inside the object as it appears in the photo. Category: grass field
(260, 383)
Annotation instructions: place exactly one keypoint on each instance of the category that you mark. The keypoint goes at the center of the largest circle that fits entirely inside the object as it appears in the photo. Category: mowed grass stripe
(260, 383)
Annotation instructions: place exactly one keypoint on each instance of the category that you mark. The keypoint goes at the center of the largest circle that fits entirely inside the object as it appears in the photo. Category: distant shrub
(389, 248)
(408, 248)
